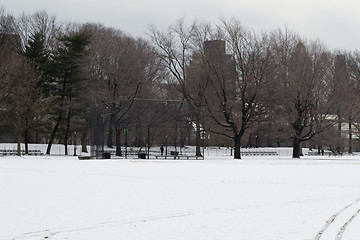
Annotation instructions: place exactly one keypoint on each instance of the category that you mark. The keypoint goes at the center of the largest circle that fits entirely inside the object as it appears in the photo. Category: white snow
(257, 198)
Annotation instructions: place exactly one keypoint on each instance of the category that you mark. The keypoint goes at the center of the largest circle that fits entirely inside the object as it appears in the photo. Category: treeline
(265, 89)
(269, 89)
(52, 72)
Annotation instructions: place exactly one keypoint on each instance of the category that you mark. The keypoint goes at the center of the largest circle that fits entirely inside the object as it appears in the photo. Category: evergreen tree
(68, 68)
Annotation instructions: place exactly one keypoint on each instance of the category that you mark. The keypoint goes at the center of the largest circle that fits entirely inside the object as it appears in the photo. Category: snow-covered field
(257, 198)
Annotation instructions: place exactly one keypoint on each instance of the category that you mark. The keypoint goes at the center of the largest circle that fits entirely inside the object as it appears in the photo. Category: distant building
(215, 50)
(222, 63)
(216, 65)
(213, 63)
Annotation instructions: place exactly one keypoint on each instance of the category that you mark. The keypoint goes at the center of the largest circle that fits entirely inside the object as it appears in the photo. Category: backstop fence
(147, 128)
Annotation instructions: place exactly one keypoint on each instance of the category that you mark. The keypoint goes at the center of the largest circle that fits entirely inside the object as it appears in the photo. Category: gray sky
(336, 23)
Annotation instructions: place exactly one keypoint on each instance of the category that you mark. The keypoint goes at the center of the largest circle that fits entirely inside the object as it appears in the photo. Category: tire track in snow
(343, 228)
(51, 232)
(332, 219)
(48, 233)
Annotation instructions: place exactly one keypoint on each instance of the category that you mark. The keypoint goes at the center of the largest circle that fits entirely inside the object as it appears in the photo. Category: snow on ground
(257, 198)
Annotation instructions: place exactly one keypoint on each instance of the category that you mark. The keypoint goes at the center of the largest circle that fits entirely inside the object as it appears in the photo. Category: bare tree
(305, 77)
(9, 32)
(353, 93)
(123, 68)
(237, 101)
(350, 93)
(21, 102)
(42, 23)
(37, 35)
(180, 49)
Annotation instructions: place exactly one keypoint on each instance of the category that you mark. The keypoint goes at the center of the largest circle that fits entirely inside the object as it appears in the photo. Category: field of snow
(257, 198)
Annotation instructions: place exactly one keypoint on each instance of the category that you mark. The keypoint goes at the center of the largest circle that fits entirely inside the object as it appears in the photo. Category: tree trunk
(118, 141)
(126, 132)
(52, 137)
(26, 138)
(67, 131)
(75, 144)
(148, 142)
(237, 143)
(300, 150)
(83, 142)
(339, 145)
(311, 142)
(350, 136)
(111, 131)
(18, 143)
(138, 141)
(176, 134)
(257, 140)
(198, 136)
(36, 137)
(296, 148)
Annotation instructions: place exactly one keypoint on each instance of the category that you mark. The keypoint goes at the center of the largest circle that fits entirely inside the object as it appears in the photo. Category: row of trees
(275, 81)
(52, 72)
(273, 85)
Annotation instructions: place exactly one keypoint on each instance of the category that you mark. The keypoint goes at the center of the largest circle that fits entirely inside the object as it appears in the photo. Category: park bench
(178, 157)
(259, 153)
(5, 152)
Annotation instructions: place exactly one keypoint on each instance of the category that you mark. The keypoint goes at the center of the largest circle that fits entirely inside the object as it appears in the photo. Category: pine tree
(67, 64)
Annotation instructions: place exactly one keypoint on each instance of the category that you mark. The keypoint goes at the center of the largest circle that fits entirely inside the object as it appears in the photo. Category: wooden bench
(189, 157)
(259, 153)
(34, 152)
(5, 152)
(178, 157)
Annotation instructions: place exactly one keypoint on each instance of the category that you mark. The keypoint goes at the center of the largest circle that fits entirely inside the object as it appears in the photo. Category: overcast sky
(335, 22)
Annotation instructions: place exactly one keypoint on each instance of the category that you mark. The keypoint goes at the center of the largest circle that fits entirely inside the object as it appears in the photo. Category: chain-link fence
(143, 128)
